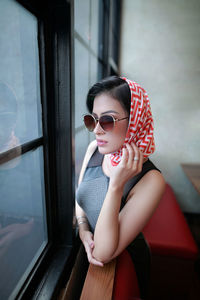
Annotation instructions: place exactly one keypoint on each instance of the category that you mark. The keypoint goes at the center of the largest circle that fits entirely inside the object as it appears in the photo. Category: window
(23, 224)
(36, 165)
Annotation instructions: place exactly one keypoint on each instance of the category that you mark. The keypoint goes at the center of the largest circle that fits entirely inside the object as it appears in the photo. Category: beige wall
(160, 49)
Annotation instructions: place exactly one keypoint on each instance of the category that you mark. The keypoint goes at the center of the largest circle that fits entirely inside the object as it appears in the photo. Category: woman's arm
(115, 231)
(86, 235)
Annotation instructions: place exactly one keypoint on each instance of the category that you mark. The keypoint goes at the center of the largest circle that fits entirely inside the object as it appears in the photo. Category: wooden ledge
(99, 282)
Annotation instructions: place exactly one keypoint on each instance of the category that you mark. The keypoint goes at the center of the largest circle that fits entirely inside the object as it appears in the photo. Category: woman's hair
(114, 86)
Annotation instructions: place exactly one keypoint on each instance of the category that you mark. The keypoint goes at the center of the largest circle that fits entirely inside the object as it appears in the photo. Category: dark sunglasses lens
(89, 122)
(106, 122)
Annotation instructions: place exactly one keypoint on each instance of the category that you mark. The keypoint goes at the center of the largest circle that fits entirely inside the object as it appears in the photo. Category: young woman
(119, 187)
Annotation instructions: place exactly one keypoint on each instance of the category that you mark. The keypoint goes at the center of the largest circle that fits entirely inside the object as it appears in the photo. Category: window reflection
(8, 116)
(23, 226)
(94, 26)
(23, 233)
(82, 19)
(81, 82)
(19, 74)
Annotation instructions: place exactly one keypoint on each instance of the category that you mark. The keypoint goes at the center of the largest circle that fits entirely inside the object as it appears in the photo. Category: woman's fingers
(129, 166)
(136, 153)
(124, 158)
(96, 262)
(135, 157)
(92, 260)
(131, 154)
(89, 248)
(138, 157)
(91, 245)
(141, 160)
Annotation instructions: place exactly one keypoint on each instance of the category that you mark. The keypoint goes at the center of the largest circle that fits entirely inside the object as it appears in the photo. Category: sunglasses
(107, 122)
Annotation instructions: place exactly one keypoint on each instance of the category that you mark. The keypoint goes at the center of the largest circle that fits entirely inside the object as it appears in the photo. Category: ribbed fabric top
(93, 188)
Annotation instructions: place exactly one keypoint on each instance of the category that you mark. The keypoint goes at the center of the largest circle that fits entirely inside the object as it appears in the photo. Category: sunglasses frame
(96, 120)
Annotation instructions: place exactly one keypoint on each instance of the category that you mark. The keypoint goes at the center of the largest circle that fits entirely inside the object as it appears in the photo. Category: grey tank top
(93, 188)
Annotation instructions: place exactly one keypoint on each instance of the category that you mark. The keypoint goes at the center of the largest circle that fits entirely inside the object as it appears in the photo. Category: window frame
(110, 11)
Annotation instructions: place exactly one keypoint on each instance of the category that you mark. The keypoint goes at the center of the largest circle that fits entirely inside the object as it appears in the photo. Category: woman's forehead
(107, 103)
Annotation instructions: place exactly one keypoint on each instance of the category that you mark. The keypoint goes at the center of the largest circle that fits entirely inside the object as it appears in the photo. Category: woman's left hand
(88, 242)
(129, 166)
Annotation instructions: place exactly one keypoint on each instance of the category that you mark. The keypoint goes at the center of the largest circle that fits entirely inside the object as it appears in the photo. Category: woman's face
(110, 141)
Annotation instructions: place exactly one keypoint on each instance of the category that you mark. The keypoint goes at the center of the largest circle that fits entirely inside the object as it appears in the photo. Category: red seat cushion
(167, 232)
(125, 283)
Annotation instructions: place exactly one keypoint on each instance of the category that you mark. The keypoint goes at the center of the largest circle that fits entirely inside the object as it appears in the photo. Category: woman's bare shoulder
(91, 147)
(152, 180)
(155, 177)
(90, 150)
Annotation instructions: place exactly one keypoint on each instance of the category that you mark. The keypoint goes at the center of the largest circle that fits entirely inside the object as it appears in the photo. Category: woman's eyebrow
(108, 112)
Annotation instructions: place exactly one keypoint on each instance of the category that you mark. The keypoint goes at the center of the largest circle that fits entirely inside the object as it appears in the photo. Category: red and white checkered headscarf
(140, 128)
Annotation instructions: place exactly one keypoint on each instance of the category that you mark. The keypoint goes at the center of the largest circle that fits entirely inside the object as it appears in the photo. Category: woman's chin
(104, 150)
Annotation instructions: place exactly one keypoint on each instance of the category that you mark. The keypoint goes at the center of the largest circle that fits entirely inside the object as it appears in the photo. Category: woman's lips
(101, 142)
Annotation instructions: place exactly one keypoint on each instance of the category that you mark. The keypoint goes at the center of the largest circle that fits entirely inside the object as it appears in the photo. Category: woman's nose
(98, 129)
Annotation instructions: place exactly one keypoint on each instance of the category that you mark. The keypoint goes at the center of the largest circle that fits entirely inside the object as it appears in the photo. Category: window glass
(81, 143)
(94, 26)
(20, 111)
(81, 81)
(93, 70)
(86, 69)
(23, 226)
(82, 19)
(23, 232)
